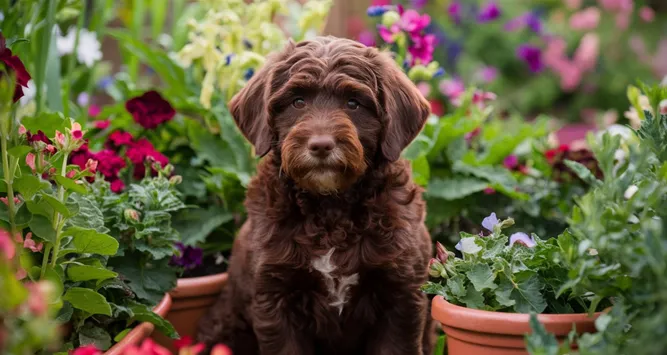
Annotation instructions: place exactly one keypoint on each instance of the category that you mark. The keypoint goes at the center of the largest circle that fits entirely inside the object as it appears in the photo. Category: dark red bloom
(39, 137)
(140, 169)
(80, 156)
(109, 164)
(14, 64)
(139, 151)
(150, 109)
(117, 185)
(118, 139)
(102, 124)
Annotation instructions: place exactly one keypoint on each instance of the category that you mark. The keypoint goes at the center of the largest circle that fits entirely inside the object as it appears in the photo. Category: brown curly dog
(334, 250)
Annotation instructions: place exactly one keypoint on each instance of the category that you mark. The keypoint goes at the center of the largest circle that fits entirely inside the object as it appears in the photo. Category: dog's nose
(321, 146)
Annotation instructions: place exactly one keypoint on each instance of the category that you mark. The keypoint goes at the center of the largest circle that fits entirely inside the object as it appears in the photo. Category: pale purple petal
(490, 222)
(458, 246)
(522, 238)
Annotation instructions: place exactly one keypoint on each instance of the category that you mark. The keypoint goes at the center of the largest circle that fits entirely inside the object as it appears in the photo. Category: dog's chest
(338, 286)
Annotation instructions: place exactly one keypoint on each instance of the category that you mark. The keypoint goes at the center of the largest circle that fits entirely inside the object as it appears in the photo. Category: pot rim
(451, 315)
(199, 286)
(142, 330)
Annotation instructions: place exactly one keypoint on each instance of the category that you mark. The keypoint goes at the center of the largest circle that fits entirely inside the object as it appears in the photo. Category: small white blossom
(468, 246)
(65, 44)
(630, 192)
(29, 93)
(89, 50)
(2, 16)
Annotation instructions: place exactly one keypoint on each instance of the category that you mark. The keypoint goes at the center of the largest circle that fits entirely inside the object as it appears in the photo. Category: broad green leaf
(143, 314)
(194, 225)
(92, 335)
(19, 151)
(42, 228)
(473, 298)
(148, 282)
(46, 122)
(433, 288)
(455, 286)
(89, 214)
(86, 273)
(89, 241)
(29, 185)
(56, 205)
(421, 171)
(122, 335)
(528, 296)
(539, 341)
(70, 184)
(503, 293)
(65, 313)
(455, 188)
(582, 172)
(87, 300)
(482, 277)
(440, 345)
(23, 216)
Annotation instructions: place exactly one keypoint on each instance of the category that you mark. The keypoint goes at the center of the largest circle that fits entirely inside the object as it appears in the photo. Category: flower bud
(506, 223)
(441, 252)
(436, 269)
(630, 192)
(390, 17)
(176, 179)
(22, 130)
(662, 106)
(131, 215)
(168, 169)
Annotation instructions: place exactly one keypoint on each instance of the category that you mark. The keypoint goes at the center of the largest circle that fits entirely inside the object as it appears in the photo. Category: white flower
(89, 50)
(630, 192)
(65, 44)
(29, 93)
(2, 16)
(468, 246)
(27, 30)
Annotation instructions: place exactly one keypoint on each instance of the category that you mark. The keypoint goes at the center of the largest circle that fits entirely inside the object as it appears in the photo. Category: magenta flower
(412, 22)
(480, 98)
(489, 12)
(389, 34)
(454, 11)
(523, 239)
(532, 55)
(366, 38)
(422, 48)
(487, 74)
(452, 88)
(511, 161)
(529, 19)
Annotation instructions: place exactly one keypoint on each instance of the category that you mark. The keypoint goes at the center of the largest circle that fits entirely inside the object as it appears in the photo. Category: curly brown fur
(334, 250)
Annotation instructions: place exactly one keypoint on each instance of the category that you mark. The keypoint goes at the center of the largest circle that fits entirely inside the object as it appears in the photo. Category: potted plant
(484, 298)
(618, 242)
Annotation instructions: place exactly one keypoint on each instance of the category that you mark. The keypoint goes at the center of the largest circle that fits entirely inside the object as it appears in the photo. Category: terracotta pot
(471, 331)
(143, 330)
(192, 298)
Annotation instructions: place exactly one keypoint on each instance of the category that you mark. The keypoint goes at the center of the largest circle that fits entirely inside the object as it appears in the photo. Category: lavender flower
(454, 11)
(522, 238)
(532, 55)
(529, 19)
(378, 10)
(188, 257)
(490, 222)
(489, 12)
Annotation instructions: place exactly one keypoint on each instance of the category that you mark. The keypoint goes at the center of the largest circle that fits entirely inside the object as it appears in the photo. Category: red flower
(39, 137)
(102, 124)
(86, 350)
(109, 164)
(183, 342)
(81, 156)
(14, 63)
(118, 139)
(140, 169)
(139, 151)
(117, 185)
(150, 109)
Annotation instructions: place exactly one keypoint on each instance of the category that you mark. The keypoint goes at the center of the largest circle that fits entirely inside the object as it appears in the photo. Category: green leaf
(19, 152)
(539, 341)
(528, 297)
(46, 122)
(70, 184)
(90, 241)
(473, 298)
(56, 205)
(421, 171)
(433, 288)
(65, 313)
(53, 87)
(148, 282)
(89, 214)
(195, 225)
(23, 215)
(92, 335)
(455, 188)
(122, 335)
(87, 300)
(86, 273)
(29, 185)
(455, 286)
(503, 293)
(143, 314)
(440, 345)
(482, 277)
(42, 228)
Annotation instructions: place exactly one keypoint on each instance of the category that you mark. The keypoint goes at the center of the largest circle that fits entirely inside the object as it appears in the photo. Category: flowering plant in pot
(617, 245)
(57, 224)
(499, 275)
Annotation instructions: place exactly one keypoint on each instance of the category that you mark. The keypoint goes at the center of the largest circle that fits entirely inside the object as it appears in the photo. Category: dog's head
(331, 107)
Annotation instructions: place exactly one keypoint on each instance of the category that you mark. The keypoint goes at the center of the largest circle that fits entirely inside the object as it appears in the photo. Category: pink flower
(37, 296)
(646, 14)
(480, 98)
(488, 12)
(452, 88)
(91, 165)
(29, 243)
(102, 124)
(616, 5)
(411, 21)
(94, 110)
(150, 109)
(7, 246)
(454, 11)
(622, 20)
(6, 202)
(424, 88)
(86, 350)
(117, 185)
(76, 131)
(148, 347)
(511, 161)
(22, 130)
(487, 74)
(489, 191)
(221, 350)
(366, 38)
(30, 161)
(523, 239)
(21, 274)
(109, 163)
(585, 20)
(70, 174)
(586, 54)
(61, 141)
(532, 55)
(118, 139)
(389, 34)
(51, 149)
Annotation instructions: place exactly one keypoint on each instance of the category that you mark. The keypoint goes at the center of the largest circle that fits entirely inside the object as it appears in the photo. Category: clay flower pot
(192, 298)
(143, 330)
(472, 331)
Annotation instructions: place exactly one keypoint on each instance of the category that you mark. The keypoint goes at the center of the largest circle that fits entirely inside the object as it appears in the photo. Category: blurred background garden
(525, 96)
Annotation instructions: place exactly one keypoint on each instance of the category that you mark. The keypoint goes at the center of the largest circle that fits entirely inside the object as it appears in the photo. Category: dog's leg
(401, 330)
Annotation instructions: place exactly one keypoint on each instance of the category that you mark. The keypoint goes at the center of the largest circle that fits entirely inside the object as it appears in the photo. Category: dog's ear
(248, 106)
(405, 109)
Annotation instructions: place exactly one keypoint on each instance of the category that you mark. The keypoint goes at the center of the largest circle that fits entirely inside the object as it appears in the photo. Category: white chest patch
(337, 287)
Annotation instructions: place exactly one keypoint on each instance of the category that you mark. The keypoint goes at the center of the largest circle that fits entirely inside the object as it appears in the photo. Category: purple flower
(454, 11)
(487, 74)
(511, 161)
(489, 12)
(490, 222)
(522, 238)
(422, 48)
(188, 257)
(534, 22)
(529, 19)
(532, 55)
(105, 82)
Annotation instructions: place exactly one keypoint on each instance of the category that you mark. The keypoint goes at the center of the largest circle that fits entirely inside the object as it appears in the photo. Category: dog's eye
(352, 104)
(299, 103)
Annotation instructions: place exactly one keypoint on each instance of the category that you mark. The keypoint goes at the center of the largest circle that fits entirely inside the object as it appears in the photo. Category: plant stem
(45, 260)
(9, 179)
(57, 225)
